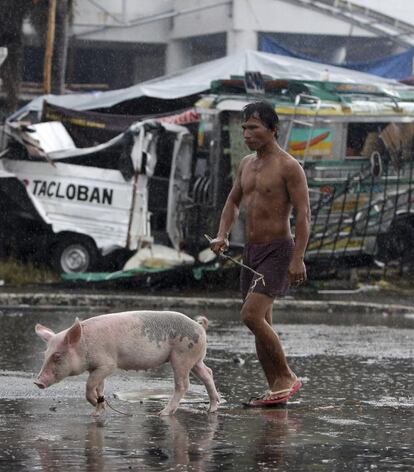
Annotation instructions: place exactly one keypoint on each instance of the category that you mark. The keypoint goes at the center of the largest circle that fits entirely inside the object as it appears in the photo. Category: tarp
(197, 79)
(396, 66)
(408, 80)
(88, 127)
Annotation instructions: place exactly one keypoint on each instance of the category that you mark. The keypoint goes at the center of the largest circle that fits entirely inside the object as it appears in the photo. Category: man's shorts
(270, 259)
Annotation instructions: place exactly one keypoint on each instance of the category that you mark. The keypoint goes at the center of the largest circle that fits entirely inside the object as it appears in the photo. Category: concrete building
(117, 43)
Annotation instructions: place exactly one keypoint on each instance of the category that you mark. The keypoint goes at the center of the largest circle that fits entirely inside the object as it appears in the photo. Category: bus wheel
(74, 254)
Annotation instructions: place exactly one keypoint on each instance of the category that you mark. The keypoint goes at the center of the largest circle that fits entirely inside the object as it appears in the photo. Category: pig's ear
(43, 332)
(74, 333)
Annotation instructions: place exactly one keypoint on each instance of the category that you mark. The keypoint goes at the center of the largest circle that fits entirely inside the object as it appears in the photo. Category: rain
(246, 163)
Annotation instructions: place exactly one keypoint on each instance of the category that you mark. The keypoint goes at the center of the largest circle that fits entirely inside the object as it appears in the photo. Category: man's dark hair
(265, 112)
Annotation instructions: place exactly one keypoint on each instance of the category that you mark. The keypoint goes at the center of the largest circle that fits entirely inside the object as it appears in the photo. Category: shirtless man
(269, 184)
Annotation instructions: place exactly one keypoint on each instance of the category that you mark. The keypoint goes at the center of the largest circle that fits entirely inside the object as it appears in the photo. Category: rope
(260, 277)
(104, 400)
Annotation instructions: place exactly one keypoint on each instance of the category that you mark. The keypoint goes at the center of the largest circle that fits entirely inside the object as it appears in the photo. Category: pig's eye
(57, 356)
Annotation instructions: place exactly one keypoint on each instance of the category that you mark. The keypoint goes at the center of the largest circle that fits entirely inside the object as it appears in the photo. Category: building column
(240, 40)
(178, 56)
(338, 56)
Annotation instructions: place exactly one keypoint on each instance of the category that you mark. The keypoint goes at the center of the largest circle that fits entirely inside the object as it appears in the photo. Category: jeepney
(355, 143)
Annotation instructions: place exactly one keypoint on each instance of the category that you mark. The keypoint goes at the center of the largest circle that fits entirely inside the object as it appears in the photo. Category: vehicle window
(363, 139)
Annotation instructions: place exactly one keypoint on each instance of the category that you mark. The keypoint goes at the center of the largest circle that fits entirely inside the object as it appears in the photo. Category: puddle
(145, 395)
(354, 411)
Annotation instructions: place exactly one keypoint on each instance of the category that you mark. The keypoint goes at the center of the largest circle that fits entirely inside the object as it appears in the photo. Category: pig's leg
(181, 369)
(205, 374)
(95, 386)
(100, 406)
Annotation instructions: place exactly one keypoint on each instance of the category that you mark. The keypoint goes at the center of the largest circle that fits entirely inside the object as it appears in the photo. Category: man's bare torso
(265, 197)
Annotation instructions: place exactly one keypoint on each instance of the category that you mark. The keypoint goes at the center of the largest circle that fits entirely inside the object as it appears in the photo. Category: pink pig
(130, 340)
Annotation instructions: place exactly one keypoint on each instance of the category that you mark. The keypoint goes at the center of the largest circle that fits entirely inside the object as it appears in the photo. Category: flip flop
(280, 397)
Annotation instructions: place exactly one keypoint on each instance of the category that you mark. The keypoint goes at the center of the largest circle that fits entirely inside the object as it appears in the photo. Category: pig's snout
(39, 384)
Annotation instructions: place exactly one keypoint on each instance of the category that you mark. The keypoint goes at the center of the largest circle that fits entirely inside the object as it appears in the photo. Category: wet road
(354, 412)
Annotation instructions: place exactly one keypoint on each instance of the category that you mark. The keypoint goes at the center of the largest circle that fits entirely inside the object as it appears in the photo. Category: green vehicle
(355, 142)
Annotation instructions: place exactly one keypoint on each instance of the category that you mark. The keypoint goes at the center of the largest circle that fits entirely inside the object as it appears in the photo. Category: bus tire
(74, 253)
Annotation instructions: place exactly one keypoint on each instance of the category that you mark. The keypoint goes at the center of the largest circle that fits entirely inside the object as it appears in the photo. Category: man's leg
(269, 314)
(261, 351)
(256, 314)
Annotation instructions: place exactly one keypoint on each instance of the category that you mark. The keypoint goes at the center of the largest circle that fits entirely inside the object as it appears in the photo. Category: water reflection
(269, 449)
(180, 448)
(356, 406)
(167, 443)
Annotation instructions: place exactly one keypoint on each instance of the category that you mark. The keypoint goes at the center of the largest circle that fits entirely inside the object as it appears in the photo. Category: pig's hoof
(100, 407)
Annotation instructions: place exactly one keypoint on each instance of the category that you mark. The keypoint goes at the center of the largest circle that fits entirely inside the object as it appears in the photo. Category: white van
(77, 204)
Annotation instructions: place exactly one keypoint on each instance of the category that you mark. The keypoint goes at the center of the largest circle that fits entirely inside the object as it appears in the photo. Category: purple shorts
(270, 259)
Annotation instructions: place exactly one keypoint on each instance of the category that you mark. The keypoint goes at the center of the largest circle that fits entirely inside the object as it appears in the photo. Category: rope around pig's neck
(260, 277)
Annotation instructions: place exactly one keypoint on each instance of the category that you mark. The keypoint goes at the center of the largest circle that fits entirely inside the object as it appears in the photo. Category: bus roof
(323, 98)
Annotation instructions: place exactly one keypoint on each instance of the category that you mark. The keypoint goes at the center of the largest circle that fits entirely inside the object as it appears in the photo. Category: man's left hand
(296, 272)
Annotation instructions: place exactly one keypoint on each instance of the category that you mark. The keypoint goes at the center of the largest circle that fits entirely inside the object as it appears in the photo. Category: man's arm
(297, 188)
(228, 215)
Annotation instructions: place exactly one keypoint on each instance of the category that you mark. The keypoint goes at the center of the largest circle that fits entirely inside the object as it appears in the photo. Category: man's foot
(270, 399)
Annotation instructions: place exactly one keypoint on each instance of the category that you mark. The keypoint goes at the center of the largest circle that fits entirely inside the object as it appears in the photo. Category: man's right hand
(219, 245)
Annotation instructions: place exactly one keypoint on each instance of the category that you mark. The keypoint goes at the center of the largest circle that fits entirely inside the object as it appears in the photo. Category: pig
(130, 340)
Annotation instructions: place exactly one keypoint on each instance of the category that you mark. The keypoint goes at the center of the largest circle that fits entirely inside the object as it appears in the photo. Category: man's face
(256, 134)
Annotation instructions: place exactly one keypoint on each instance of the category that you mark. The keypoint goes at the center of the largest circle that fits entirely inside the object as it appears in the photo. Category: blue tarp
(397, 66)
